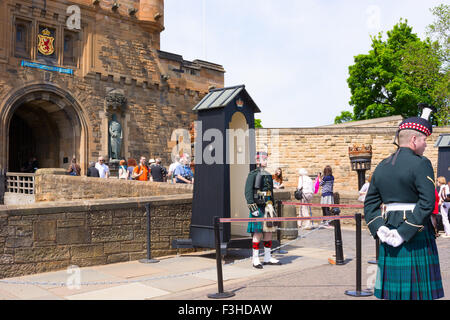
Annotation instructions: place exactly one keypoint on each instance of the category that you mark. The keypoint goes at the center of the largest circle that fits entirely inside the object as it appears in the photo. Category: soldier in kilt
(259, 196)
(397, 210)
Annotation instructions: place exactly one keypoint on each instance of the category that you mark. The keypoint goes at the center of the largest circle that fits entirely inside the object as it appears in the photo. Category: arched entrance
(45, 122)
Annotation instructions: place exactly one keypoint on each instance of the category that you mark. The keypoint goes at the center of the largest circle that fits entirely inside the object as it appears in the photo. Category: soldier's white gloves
(254, 209)
(394, 239)
(383, 233)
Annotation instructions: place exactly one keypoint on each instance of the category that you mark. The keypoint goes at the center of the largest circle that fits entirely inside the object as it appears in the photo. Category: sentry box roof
(443, 141)
(221, 98)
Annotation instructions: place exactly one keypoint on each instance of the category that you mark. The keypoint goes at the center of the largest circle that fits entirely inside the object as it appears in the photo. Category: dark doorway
(35, 132)
(22, 144)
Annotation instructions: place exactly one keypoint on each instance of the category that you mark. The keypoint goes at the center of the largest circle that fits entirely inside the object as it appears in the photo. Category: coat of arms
(45, 44)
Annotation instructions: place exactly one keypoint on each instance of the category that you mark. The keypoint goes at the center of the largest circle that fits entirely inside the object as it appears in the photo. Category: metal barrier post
(221, 294)
(358, 292)
(338, 243)
(280, 214)
(377, 251)
(149, 253)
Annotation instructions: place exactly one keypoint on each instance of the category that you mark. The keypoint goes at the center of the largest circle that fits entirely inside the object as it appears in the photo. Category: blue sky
(292, 55)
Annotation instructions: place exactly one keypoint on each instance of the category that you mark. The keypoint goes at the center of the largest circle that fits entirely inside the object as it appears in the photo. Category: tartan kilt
(256, 226)
(410, 271)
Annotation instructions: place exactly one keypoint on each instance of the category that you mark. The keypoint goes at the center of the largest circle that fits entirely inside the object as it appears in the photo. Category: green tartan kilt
(256, 226)
(410, 271)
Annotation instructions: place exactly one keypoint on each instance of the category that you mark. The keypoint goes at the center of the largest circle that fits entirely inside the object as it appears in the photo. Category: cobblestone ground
(323, 282)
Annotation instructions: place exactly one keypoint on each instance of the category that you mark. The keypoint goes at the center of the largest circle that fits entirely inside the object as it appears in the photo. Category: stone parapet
(44, 237)
(51, 187)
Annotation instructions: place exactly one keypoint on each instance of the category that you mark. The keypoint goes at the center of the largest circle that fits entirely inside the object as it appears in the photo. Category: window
(70, 46)
(22, 39)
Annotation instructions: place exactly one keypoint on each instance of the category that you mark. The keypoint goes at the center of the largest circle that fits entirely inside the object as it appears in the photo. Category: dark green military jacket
(405, 178)
(266, 184)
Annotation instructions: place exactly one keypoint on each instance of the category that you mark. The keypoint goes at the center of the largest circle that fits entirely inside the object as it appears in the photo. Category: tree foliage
(396, 75)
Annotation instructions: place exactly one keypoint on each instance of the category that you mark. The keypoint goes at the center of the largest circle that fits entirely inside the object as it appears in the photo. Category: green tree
(439, 32)
(345, 116)
(394, 76)
(258, 123)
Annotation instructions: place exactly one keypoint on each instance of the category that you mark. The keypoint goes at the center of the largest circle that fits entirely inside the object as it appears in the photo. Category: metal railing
(18, 182)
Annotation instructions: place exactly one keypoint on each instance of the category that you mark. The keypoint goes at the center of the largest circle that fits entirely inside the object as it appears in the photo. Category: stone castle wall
(113, 51)
(314, 148)
(40, 238)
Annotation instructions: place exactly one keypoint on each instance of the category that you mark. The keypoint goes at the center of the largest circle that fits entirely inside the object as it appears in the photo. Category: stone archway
(42, 121)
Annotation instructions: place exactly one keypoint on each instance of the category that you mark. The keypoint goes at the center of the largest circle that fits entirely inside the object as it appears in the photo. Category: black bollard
(338, 239)
(377, 251)
(221, 294)
(358, 292)
(149, 253)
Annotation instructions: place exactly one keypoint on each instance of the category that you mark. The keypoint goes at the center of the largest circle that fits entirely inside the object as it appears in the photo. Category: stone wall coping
(54, 171)
(328, 131)
(93, 205)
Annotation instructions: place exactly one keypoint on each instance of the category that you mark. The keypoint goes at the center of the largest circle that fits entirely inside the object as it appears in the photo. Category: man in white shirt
(172, 168)
(305, 183)
(103, 169)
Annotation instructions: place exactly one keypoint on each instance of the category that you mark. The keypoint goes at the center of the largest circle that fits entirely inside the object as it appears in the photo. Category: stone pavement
(305, 274)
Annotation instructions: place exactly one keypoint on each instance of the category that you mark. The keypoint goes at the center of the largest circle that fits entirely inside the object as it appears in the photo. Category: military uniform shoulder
(253, 172)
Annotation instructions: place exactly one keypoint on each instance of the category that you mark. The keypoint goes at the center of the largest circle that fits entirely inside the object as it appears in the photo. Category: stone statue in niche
(115, 138)
(115, 106)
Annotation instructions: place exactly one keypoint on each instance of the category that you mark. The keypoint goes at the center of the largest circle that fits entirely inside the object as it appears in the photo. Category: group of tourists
(179, 171)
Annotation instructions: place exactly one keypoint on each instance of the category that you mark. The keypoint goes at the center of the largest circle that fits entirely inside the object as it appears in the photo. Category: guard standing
(259, 196)
(397, 210)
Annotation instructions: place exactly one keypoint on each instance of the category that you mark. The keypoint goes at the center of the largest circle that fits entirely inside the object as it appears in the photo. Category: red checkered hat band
(415, 126)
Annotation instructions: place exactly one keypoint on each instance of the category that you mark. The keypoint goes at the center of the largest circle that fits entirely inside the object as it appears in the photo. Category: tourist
(123, 172)
(74, 168)
(397, 211)
(435, 212)
(30, 166)
(278, 179)
(103, 169)
(172, 168)
(140, 172)
(158, 172)
(364, 188)
(92, 170)
(306, 185)
(131, 165)
(327, 183)
(444, 200)
(183, 173)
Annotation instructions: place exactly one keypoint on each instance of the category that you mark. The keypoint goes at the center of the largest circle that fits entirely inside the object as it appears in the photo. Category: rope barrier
(217, 220)
(354, 206)
(280, 219)
(186, 274)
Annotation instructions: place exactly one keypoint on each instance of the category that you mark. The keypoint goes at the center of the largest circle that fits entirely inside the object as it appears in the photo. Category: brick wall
(41, 238)
(314, 148)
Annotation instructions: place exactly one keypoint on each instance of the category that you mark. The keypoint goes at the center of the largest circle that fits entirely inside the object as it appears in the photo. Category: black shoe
(258, 266)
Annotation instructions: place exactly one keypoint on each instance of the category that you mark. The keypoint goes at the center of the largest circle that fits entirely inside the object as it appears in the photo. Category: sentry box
(224, 154)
